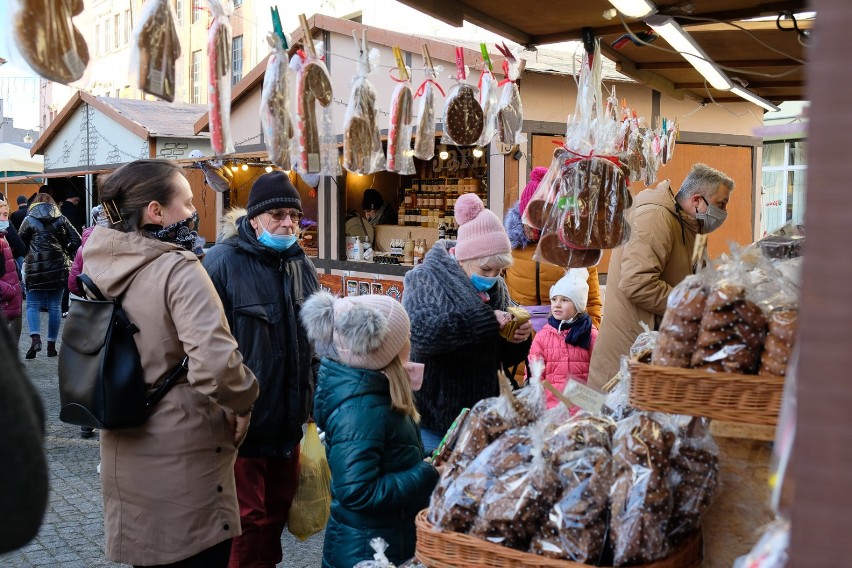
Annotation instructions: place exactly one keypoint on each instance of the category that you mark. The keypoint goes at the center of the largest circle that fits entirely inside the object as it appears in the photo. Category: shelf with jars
(431, 202)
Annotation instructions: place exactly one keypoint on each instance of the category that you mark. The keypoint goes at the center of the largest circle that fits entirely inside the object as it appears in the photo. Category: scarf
(183, 233)
(579, 330)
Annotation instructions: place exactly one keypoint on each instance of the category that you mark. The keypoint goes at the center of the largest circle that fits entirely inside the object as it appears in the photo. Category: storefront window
(784, 169)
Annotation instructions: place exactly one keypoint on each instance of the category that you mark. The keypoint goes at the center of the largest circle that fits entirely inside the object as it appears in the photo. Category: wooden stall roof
(751, 54)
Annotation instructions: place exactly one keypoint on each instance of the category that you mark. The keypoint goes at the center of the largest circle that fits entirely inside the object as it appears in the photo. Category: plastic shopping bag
(312, 504)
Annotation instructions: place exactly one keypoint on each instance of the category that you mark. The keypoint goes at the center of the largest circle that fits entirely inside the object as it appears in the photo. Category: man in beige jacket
(657, 257)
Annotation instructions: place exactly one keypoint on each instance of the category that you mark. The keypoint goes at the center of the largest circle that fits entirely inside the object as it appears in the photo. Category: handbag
(101, 379)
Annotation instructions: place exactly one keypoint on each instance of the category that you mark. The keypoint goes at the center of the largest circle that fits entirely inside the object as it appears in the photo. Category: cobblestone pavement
(71, 535)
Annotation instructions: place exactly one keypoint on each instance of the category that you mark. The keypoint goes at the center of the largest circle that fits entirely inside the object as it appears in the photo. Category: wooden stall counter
(735, 521)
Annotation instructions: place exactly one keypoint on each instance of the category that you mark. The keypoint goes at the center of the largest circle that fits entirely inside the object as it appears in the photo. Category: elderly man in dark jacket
(263, 278)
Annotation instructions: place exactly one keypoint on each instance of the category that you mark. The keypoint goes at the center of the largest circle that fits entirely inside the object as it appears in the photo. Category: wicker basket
(752, 399)
(438, 549)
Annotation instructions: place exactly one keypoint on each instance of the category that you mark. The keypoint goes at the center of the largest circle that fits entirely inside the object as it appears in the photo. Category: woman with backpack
(168, 485)
(51, 242)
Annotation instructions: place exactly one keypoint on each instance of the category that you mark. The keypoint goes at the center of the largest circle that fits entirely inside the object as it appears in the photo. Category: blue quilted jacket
(379, 480)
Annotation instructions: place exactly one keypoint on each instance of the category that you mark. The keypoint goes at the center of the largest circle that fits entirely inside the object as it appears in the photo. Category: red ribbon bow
(422, 88)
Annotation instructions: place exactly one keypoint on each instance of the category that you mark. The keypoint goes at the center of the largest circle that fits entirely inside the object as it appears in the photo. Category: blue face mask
(4, 225)
(483, 283)
(276, 242)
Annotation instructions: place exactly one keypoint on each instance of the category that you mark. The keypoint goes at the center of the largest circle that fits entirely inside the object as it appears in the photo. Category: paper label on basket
(585, 397)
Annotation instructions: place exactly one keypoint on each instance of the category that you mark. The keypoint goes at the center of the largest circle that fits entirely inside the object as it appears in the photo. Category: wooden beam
(659, 65)
(768, 9)
(455, 13)
(656, 82)
(750, 86)
(821, 457)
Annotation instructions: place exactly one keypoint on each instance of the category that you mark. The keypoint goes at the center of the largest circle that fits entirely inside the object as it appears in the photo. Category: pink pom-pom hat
(480, 232)
(536, 175)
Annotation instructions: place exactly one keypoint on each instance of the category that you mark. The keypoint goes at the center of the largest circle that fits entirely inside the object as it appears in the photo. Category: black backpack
(101, 380)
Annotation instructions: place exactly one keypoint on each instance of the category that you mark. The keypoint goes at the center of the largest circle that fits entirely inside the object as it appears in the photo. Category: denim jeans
(52, 300)
(431, 439)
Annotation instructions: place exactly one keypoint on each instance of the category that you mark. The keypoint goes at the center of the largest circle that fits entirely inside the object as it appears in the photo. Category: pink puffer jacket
(10, 285)
(561, 360)
(77, 265)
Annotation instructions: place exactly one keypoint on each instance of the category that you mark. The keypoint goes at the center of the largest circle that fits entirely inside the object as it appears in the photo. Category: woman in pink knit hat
(529, 280)
(456, 301)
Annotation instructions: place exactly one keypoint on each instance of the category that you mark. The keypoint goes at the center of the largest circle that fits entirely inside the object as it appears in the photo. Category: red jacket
(77, 265)
(561, 360)
(10, 285)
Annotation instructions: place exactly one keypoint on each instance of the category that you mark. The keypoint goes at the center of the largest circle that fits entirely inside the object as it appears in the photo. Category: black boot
(51, 349)
(35, 347)
(86, 432)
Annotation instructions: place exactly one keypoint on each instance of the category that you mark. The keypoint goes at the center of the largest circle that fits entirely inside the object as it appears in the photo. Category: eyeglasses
(281, 214)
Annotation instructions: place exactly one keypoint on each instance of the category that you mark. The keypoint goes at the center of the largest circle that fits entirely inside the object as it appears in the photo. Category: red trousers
(265, 490)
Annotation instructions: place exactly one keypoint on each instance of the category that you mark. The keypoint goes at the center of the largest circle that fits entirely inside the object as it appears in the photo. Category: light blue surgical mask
(276, 242)
(4, 225)
(483, 283)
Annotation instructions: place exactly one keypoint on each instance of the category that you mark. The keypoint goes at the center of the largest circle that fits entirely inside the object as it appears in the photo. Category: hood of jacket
(662, 196)
(44, 212)
(337, 383)
(114, 258)
(515, 228)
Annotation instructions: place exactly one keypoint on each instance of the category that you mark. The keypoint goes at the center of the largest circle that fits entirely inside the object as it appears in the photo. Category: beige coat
(641, 274)
(168, 485)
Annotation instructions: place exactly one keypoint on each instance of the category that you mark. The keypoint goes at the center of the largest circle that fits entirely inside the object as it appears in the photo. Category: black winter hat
(372, 200)
(271, 191)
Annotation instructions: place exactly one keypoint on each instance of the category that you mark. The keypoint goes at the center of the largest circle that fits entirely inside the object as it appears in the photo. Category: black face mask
(183, 233)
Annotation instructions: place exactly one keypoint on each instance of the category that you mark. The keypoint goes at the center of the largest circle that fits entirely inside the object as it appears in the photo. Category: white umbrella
(17, 159)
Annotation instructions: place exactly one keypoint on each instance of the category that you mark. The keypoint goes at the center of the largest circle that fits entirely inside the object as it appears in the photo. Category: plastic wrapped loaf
(681, 323)
(640, 498)
(49, 41)
(156, 48)
(780, 338)
(362, 143)
(275, 116)
(488, 99)
(400, 154)
(317, 148)
(693, 477)
(510, 113)
(732, 329)
(424, 139)
(219, 78)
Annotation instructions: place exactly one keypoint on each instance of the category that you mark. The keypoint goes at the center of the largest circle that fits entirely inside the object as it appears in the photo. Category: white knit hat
(574, 286)
(365, 332)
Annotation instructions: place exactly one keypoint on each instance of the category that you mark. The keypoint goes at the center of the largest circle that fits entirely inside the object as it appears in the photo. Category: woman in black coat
(51, 242)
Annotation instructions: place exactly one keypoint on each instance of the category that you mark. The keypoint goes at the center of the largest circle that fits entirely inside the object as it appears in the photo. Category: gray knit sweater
(456, 335)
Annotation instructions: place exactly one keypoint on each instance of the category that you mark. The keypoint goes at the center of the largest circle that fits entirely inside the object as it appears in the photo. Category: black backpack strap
(167, 384)
(85, 283)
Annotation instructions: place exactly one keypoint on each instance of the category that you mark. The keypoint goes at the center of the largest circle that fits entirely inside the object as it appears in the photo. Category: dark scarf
(579, 330)
(183, 233)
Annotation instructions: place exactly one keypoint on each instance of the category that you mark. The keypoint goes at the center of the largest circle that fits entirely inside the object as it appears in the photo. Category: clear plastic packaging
(424, 139)
(693, 477)
(595, 197)
(155, 49)
(576, 527)
(463, 116)
(379, 559)
(510, 109)
(537, 211)
(640, 498)
(49, 41)
(362, 143)
(771, 550)
(681, 323)
(316, 141)
(275, 118)
(400, 154)
(219, 77)
(525, 486)
(488, 100)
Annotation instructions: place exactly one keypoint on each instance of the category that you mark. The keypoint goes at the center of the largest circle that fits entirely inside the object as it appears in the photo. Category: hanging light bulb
(245, 167)
(477, 152)
(234, 168)
(268, 169)
(28, 139)
(444, 154)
